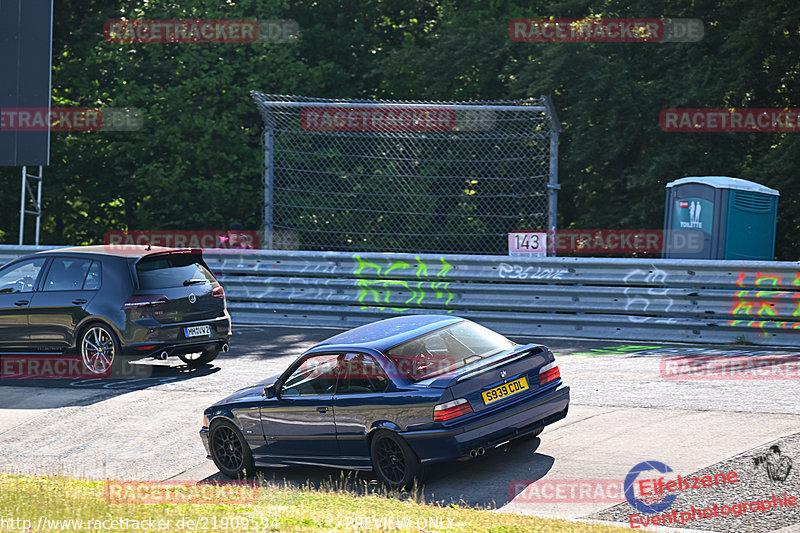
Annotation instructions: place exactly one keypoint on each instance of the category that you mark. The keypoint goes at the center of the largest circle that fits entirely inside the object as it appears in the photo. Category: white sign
(527, 243)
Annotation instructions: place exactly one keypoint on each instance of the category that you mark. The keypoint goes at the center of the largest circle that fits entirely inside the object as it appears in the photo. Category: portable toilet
(725, 218)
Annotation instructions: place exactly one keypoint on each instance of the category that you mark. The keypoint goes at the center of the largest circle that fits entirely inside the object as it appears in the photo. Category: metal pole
(415, 105)
(552, 184)
(269, 228)
(22, 206)
(39, 205)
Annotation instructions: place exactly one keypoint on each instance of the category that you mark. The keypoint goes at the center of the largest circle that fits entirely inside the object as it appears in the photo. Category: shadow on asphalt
(138, 379)
(484, 482)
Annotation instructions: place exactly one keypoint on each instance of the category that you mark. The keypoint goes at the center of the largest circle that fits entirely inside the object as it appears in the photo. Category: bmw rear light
(138, 301)
(450, 410)
(549, 373)
(218, 292)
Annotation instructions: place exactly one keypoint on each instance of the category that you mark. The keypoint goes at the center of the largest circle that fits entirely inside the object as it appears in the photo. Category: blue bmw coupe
(390, 396)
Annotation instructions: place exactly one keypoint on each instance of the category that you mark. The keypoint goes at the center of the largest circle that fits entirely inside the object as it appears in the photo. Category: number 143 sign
(527, 243)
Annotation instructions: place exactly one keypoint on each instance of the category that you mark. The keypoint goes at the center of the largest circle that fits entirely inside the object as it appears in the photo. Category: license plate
(504, 391)
(197, 331)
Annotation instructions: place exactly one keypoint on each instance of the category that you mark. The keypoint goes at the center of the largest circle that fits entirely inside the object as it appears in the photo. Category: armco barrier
(631, 299)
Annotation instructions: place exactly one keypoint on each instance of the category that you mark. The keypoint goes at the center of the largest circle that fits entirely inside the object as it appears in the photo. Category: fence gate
(377, 175)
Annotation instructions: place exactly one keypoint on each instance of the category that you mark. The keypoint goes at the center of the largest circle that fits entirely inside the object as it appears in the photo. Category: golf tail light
(450, 410)
(218, 292)
(138, 301)
(549, 373)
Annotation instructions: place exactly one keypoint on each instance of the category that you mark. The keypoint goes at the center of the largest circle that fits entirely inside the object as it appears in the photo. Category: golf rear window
(173, 270)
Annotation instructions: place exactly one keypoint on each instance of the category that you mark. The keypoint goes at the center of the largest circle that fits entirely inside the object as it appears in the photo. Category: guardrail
(624, 299)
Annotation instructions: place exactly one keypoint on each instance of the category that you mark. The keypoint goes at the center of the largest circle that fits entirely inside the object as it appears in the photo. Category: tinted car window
(362, 374)
(66, 274)
(175, 270)
(316, 375)
(446, 349)
(92, 282)
(21, 277)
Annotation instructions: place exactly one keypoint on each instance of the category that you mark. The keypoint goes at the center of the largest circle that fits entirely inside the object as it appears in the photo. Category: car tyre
(394, 462)
(205, 357)
(230, 451)
(98, 348)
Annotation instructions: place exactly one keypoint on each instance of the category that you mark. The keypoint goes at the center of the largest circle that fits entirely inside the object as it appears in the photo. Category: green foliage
(197, 162)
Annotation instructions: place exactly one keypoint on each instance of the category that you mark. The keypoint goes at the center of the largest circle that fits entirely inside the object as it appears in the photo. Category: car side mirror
(269, 391)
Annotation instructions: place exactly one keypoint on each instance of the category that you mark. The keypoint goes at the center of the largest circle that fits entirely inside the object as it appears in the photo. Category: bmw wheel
(393, 460)
(99, 350)
(230, 451)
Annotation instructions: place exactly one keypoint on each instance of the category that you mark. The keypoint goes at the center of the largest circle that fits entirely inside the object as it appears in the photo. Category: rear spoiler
(461, 374)
(191, 251)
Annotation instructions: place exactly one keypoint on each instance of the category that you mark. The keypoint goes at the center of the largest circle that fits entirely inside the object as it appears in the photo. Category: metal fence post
(269, 227)
(552, 185)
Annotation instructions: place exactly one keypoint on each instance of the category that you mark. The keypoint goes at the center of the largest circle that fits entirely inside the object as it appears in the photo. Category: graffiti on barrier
(512, 271)
(412, 293)
(764, 307)
(608, 351)
(656, 299)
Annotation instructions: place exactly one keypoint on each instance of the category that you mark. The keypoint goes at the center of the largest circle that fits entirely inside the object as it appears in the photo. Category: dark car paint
(339, 436)
(55, 321)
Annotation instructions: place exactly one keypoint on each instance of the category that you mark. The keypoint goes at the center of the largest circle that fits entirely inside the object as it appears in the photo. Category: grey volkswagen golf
(106, 305)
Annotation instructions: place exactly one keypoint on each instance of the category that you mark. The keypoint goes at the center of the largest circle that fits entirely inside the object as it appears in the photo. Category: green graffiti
(422, 268)
(368, 288)
(397, 264)
(445, 268)
(613, 350)
(379, 292)
(365, 264)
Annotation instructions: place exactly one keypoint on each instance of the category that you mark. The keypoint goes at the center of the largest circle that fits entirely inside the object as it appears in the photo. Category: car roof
(127, 250)
(387, 333)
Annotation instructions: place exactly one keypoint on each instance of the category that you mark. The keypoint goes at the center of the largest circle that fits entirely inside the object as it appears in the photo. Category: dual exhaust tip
(163, 355)
(477, 452)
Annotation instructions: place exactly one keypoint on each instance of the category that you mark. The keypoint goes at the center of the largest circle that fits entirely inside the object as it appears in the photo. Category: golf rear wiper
(193, 281)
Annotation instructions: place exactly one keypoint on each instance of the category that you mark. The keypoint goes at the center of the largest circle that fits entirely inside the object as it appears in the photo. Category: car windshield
(446, 349)
(173, 270)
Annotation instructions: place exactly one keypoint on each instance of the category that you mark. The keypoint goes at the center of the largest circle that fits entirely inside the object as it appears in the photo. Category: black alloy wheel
(230, 451)
(394, 461)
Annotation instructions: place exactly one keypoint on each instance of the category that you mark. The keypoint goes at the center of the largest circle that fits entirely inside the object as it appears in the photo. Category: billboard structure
(26, 44)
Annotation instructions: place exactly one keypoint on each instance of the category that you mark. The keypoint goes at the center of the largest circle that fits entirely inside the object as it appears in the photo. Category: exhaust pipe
(473, 453)
(481, 451)
(162, 356)
(225, 348)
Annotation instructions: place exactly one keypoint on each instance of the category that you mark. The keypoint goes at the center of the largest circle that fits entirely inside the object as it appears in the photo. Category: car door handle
(322, 410)
(22, 302)
(78, 301)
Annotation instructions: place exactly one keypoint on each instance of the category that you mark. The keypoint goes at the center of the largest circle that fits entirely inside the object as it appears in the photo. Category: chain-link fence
(443, 177)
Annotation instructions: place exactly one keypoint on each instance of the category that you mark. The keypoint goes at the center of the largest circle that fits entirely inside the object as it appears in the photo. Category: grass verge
(36, 504)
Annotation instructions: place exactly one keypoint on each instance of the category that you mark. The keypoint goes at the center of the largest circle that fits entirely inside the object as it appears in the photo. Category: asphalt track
(626, 408)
